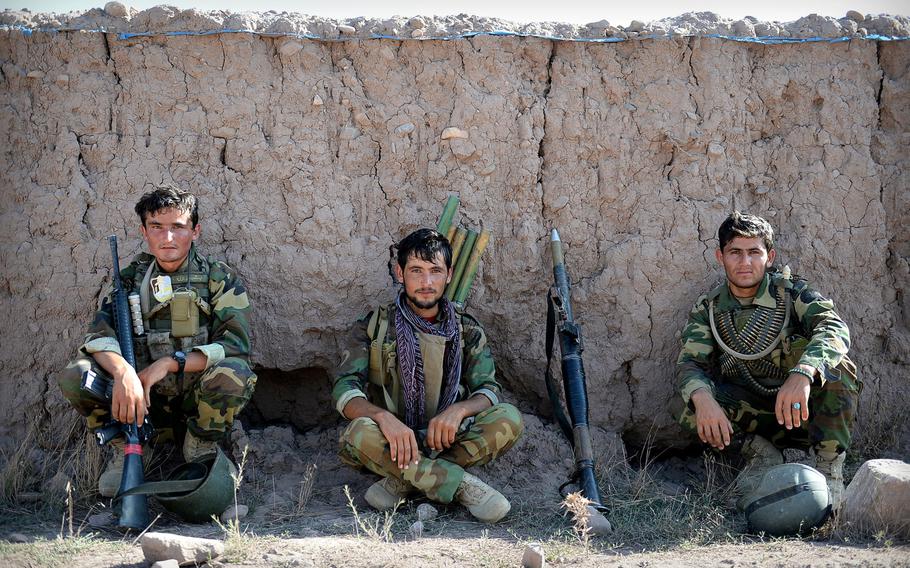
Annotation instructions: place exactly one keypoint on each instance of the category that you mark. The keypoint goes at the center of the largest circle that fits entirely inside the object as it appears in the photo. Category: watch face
(179, 355)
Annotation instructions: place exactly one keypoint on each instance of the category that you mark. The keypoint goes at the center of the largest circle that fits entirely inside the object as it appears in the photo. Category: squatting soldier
(765, 355)
(192, 361)
(418, 383)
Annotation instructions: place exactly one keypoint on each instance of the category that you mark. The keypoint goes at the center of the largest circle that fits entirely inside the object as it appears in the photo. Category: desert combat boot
(386, 493)
(832, 467)
(761, 455)
(195, 449)
(109, 480)
(484, 502)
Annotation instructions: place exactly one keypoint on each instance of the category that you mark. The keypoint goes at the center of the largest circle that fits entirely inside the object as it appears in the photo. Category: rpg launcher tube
(470, 272)
(457, 243)
(462, 262)
(573, 376)
(448, 212)
(134, 510)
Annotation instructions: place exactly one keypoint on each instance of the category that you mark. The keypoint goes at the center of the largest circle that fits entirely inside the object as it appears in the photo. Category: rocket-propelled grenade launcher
(561, 323)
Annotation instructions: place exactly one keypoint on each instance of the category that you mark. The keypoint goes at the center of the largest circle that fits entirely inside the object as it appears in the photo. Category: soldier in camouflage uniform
(418, 383)
(765, 355)
(192, 360)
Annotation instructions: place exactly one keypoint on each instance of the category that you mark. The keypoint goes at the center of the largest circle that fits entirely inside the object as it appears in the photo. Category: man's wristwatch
(180, 357)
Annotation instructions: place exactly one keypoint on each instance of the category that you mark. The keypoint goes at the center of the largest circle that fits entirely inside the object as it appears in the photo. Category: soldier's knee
(358, 429)
(680, 412)
(70, 378)
(510, 415)
(363, 435)
(231, 376)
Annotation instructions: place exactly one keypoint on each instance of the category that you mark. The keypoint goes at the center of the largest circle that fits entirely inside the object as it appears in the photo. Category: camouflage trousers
(480, 439)
(832, 411)
(205, 403)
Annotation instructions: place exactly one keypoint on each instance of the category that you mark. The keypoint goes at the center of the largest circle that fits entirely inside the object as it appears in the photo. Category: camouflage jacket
(352, 379)
(227, 327)
(812, 317)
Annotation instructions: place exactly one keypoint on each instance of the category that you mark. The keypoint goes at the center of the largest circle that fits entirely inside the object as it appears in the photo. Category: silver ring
(796, 406)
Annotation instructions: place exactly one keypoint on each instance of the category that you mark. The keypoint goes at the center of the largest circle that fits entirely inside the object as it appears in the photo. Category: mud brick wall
(311, 157)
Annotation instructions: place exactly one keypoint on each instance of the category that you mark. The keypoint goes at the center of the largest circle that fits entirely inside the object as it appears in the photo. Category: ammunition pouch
(184, 314)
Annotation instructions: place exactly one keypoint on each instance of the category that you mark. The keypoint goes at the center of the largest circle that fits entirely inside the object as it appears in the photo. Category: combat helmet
(790, 499)
(196, 490)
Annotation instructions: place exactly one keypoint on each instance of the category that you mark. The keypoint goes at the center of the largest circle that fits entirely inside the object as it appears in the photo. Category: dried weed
(374, 525)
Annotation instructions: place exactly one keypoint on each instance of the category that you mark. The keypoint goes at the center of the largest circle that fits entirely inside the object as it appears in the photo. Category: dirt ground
(668, 510)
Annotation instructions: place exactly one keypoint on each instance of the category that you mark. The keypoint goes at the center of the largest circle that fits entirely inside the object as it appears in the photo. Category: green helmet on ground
(790, 499)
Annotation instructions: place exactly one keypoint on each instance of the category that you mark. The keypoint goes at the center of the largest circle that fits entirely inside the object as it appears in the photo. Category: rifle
(561, 321)
(134, 512)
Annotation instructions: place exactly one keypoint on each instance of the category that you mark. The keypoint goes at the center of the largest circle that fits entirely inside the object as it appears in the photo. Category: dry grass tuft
(643, 513)
(374, 525)
(295, 510)
(576, 505)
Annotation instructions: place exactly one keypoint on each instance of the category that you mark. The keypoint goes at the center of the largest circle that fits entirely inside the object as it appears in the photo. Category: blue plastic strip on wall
(764, 40)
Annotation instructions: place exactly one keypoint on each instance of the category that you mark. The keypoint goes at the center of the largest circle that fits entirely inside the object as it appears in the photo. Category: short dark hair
(167, 196)
(424, 244)
(745, 225)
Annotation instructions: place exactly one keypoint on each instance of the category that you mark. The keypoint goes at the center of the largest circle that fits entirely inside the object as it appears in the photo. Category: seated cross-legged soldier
(418, 383)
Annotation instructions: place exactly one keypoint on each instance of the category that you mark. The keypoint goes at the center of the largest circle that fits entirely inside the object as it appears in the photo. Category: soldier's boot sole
(485, 503)
(386, 493)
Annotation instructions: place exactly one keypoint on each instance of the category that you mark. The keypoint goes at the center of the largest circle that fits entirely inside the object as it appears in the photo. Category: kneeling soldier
(418, 383)
(192, 359)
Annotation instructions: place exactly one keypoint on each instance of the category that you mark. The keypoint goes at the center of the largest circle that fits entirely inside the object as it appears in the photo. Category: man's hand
(153, 374)
(127, 401)
(795, 391)
(443, 427)
(713, 426)
(402, 442)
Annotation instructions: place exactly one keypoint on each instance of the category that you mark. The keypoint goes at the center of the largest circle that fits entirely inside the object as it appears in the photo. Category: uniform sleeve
(353, 371)
(230, 324)
(102, 333)
(478, 371)
(694, 362)
(829, 337)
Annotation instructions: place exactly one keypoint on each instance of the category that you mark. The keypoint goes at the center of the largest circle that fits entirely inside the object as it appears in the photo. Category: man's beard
(423, 305)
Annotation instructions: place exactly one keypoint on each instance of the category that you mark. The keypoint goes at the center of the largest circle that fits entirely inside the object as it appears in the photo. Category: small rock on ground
(232, 513)
(426, 512)
(184, 549)
(533, 556)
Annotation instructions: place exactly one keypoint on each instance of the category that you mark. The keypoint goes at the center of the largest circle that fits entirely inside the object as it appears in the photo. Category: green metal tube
(462, 262)
(457, 244)
(464, 287)
(448, 212)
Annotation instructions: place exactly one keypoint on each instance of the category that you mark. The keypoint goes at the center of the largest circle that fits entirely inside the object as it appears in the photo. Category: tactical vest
(759, 345)
(169, 324)
(384, 383)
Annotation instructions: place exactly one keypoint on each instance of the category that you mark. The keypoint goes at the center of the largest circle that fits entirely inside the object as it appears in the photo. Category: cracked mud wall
(311, 157)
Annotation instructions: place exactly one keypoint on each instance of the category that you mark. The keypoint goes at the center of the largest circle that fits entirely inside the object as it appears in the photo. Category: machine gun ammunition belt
(760, 334)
